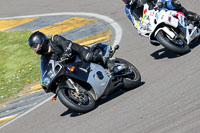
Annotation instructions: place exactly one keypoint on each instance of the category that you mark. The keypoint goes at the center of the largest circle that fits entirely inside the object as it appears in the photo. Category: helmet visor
(34, 45)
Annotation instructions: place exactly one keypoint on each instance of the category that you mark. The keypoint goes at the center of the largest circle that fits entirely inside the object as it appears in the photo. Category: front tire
(168, 44)
(81, 103)
(132, 81)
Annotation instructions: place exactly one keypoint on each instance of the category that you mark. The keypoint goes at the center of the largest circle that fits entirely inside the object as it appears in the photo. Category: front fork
(71, 85)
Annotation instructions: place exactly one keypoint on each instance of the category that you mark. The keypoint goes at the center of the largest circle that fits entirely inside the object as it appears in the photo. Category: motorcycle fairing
(92, 74)
(128, 13)
(181, 18)
(191, 33)
(52, 71)
(80, 72)
(98, 79)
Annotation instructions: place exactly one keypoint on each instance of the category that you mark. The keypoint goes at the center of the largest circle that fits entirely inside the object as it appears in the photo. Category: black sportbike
(80, 84)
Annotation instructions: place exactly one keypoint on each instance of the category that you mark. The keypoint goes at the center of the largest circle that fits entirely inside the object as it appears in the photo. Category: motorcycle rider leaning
(137, 5)
(60, 48)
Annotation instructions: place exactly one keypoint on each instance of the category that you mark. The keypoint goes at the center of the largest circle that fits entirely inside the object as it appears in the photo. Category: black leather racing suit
(60, 47)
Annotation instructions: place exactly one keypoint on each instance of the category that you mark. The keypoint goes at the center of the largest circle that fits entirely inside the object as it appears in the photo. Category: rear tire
(134, 80)
(168, 44)
(82, 103)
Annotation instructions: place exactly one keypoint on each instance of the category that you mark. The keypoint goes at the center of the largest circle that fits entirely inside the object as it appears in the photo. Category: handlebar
(112, 52)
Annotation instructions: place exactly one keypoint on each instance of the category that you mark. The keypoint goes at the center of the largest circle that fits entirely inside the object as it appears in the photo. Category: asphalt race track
(168, 101)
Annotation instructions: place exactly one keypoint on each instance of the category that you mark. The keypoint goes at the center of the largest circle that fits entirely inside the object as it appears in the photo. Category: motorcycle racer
(60, 48)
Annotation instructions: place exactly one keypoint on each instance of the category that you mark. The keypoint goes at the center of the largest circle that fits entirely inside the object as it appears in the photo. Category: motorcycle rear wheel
(81, 103)
(132, 81)
(168, 44)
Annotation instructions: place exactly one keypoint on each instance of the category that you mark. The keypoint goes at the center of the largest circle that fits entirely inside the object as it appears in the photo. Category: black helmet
(41, 39)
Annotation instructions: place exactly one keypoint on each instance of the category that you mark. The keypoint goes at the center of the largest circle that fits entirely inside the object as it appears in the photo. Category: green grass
(19, 65)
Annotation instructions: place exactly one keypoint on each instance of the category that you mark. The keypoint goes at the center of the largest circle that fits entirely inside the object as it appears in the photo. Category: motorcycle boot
(110, 65)
(190, 15)
(116, 67)
(100, 59)
(193, 17)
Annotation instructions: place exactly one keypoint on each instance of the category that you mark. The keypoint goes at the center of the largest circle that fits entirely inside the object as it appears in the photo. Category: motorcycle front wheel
(81, 102)
(132, 80)
(176, 46)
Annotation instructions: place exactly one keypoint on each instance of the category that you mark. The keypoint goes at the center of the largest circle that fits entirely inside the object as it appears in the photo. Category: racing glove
(66, 55)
